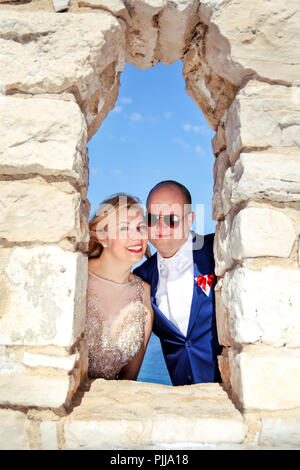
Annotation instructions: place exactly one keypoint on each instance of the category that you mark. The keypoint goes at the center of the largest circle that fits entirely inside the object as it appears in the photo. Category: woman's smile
(136, 248)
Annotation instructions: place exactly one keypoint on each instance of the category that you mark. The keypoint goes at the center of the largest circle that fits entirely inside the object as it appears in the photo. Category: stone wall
(60, 65)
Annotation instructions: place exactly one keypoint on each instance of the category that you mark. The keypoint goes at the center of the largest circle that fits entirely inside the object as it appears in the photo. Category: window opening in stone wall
(155, 132)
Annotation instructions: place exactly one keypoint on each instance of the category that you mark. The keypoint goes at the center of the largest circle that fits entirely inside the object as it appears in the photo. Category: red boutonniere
(205, 282)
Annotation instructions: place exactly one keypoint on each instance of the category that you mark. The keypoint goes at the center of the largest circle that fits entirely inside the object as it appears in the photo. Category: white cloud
(181, 142)
(117, 109)
(136, 117)
(196, 129)
(125, 100)
(187, 127)
(95, 171)
(167, 115)
(199, 150)
(116, 171)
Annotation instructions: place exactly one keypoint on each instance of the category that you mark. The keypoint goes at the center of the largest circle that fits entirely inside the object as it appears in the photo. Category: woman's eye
(123, 229)
(143, 228)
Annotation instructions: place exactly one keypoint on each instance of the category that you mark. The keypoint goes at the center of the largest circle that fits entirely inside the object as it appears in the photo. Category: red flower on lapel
(205, 282)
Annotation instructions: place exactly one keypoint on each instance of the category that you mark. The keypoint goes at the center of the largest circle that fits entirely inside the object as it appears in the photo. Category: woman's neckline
(111, 282)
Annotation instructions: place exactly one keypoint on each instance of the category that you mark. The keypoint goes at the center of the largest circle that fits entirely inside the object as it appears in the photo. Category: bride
(119, 314)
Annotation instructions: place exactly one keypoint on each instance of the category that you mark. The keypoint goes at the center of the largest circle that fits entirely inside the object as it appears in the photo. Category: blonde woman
(119, 313)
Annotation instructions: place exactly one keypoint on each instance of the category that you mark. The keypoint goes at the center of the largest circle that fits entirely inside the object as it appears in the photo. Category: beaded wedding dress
(115, 324)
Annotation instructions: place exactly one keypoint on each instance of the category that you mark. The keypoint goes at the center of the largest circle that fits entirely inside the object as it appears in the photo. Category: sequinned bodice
(115, 324)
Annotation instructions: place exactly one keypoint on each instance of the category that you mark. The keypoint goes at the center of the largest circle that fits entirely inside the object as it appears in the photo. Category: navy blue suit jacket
(190, 359)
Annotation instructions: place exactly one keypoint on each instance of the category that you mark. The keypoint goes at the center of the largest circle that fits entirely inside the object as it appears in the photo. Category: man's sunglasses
(171, 220)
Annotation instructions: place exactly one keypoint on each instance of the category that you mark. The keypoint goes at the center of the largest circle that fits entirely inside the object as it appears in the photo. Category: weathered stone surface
(211, 92)
(220, 167)
(13, 430)
(60, 5)
(32, 210)
(281, 429)
(264, 305)
(134, 414)
(43, 296)
(41, 360)
(48, 430)
(176, 23)
(261, 231)
(266, 378)
(223, 364)
(219, 141)
(34, 140)
(222, 254)
(51, 53)
(260, 37)
(159, 30)
(274, 116)
(116, 7)
(35, 390)
(261, 176)
(142, 35)
(222, 317)
(10, 361)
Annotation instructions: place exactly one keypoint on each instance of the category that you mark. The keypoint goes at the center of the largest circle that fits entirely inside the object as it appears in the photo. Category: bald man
(181, 275)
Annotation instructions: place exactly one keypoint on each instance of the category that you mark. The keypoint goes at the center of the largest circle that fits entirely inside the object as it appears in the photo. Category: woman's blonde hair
(108, 207)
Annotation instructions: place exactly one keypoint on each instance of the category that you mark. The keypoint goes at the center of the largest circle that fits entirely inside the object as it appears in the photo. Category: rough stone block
(134, 414)
(212, 93)
(116, 7)
(220, 167)
(35, 390)
(223, 258)
(49, 53)
(43, 136)
(219, 141)
(43, 296)
(264, 305)
(176, 24)
(266, 378)
(48, 430)
(222, 317)
(32, 210)
(274, 116)
(54, 53)
(260, 37)
(66, 363)
(281, 429)
(261, 231)
(60, 5)
(159, 31)
(261, 176)
(13, 430)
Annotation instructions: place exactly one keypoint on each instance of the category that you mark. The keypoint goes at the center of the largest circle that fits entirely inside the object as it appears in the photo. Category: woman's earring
(104, 245)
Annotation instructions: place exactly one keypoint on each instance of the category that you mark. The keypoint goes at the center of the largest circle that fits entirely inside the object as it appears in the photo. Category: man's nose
(162, 226)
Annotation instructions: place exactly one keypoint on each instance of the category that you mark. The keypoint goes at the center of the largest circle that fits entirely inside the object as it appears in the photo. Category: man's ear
(191, 218)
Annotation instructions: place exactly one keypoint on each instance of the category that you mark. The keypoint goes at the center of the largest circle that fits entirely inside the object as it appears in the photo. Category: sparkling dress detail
(115, 324)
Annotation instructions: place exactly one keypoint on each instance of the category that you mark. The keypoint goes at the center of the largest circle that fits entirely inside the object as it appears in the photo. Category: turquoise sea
(154, 368)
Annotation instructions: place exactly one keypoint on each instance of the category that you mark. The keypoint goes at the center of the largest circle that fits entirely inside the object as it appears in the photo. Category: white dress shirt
(176, 285)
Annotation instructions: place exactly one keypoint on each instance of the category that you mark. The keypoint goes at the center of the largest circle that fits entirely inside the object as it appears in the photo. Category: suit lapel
(198, 296)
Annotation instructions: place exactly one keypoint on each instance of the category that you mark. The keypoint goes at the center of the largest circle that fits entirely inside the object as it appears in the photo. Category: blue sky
(155, 132)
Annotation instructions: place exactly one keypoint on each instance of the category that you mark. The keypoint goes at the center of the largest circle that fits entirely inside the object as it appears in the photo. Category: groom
(181, 275)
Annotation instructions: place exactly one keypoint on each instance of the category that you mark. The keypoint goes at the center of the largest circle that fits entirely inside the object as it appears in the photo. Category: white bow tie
(172, 271)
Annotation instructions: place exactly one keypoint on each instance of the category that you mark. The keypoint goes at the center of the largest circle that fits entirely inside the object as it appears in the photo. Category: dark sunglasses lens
(172, 220)
(152, 220)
